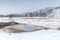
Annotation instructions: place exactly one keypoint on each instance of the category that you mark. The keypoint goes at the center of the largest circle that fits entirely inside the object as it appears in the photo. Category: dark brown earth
(10, 26)
(4, 24)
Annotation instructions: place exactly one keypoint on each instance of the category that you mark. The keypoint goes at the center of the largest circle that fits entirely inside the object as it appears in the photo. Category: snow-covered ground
(47, 22)
(50, 34)
(37, 35)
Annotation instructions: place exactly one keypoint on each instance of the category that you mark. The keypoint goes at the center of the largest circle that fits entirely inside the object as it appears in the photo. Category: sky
(21, 6)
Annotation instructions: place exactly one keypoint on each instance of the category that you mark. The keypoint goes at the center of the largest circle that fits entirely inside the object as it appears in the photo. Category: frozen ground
(47, 22)
(18, 28)
(37, 35)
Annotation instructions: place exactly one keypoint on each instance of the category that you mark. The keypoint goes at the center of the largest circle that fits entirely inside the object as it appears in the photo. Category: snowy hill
(55, 13)
(47, 12)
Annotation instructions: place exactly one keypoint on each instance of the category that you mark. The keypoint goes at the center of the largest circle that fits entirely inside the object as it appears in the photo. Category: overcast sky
(20, 6)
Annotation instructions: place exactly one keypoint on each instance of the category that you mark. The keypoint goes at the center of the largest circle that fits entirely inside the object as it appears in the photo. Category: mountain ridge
(47, 12)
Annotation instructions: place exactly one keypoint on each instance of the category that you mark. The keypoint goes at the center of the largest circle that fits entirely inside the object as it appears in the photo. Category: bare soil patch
(4, 24)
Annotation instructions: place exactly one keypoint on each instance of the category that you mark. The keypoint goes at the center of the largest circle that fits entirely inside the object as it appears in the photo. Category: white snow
(37, 35)
(3, 19)
(47, 22)
(55, 13)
